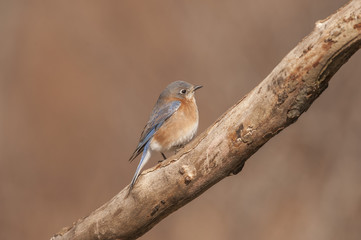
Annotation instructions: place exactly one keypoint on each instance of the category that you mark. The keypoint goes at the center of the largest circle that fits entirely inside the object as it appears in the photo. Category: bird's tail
(143, 161)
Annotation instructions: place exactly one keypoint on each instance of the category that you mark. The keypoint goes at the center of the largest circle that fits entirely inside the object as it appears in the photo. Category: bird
(173, 123)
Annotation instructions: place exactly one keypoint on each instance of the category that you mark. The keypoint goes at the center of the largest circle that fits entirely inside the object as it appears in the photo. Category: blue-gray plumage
(173, 123)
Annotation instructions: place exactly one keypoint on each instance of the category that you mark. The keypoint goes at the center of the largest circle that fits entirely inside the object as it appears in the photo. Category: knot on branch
(188, 172)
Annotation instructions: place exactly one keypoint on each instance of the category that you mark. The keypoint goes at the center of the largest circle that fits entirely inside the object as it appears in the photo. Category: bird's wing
(158, 117)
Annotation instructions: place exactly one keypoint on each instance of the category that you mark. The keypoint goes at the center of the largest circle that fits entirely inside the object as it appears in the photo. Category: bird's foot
(164, 158)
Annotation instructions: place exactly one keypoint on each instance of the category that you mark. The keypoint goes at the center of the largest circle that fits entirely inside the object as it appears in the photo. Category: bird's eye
(183, 91)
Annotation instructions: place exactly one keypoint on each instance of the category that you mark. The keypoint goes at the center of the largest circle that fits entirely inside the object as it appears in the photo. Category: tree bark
(223, 148)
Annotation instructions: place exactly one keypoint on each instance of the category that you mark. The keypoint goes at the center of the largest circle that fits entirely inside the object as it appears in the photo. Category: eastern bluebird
(172, 123)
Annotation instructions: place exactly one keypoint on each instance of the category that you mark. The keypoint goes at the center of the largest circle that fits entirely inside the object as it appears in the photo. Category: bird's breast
(179, 129)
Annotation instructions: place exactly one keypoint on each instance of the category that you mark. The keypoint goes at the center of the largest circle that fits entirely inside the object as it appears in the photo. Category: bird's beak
(197, 87)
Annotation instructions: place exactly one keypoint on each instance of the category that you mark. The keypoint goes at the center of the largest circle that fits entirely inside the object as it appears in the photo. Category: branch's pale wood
(223, 148)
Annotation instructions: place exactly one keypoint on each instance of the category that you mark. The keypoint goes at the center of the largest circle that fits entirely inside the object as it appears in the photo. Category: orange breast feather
(180, 128)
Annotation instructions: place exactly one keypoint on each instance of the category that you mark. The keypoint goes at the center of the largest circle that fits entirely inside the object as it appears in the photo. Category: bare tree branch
(223, 148)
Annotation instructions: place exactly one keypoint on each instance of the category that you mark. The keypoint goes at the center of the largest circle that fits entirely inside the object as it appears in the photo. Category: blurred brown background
(79, 79)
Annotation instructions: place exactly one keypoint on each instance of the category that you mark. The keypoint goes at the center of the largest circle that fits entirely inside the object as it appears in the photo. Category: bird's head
(180, 90)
